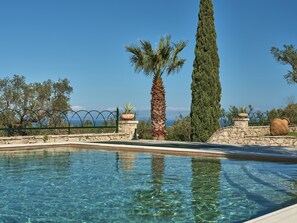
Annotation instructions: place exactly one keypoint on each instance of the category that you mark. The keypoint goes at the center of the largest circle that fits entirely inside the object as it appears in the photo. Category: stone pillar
(241, 123)
(128, 127)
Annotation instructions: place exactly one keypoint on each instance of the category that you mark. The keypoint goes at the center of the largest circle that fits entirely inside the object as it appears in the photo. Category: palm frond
(175, 67)
(163, 54)
(146, 48)
(178, 48)
(176, 64)
(156, 61)
(136, 58)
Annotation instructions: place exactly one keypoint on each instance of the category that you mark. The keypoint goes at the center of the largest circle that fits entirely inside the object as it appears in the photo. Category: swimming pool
(87, 185)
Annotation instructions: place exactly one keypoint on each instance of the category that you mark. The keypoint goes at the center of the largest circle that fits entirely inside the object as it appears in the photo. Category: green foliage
(228, 116)
(144, 129)
(180, 130)
(287, 56)
(128, 108)
(163, 59)
(16, 94)
(243, 109)
(275, 113)
(206, 87)
(261, 118)
(292, 134)
(290, 112)
(22, 103)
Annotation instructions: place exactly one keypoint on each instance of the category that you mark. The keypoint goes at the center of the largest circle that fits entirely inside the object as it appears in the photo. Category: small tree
(287, 56)
(154, 63)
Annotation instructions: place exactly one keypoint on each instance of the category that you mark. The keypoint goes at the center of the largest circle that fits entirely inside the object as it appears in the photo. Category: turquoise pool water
(105, 186)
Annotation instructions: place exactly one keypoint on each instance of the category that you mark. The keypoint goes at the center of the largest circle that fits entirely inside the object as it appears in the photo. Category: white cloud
(77, 107)
(111, 109)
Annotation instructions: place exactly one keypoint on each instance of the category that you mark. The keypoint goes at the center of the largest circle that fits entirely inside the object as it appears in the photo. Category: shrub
(144, 129)
(180, 130)
(291, 112)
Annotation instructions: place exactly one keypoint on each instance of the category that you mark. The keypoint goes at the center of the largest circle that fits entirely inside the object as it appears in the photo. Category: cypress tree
(206, 87)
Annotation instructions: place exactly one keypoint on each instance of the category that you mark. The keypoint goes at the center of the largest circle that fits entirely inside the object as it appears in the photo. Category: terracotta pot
(127, 117)
(279, 126)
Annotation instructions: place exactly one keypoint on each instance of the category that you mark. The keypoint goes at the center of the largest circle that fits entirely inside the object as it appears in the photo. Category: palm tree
(154, 63)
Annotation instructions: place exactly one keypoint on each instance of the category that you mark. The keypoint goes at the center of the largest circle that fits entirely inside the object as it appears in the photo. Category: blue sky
(83, 40)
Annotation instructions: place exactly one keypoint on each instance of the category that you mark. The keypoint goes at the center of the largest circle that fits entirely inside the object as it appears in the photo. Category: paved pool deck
(229, 151)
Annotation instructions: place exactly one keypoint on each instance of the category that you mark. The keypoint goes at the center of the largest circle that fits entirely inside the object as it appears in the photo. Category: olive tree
(21, 102)
(288, 56)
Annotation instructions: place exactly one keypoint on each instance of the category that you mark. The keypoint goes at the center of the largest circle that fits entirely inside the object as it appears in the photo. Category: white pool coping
(285, 215)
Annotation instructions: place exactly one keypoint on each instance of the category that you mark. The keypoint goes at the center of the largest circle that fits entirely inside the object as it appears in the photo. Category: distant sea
(168, 122)
(78, 122)
(170, 115)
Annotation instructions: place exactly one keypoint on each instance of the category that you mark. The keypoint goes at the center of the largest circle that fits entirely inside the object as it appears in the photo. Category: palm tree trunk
(158, 108)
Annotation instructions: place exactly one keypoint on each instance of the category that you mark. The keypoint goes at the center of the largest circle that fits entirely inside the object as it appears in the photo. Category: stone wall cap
(241, 119)
(129, 122)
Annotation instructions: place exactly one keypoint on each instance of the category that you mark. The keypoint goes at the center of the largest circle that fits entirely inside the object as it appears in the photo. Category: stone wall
(128, 127)
(252, 135)
(126, 132)
(228, 135)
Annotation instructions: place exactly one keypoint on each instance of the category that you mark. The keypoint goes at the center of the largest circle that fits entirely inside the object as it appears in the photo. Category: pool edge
(245, 155)
(284, 215)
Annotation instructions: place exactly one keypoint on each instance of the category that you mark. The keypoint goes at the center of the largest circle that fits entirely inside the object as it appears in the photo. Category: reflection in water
(126, 160)
(157, 171)
(206, 189)
(255, 188)
(24, 162)
(157, 201)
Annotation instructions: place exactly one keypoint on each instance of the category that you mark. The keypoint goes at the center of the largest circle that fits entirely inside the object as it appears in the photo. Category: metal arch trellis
(88, 114)
(13, 120)
(109, 117)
